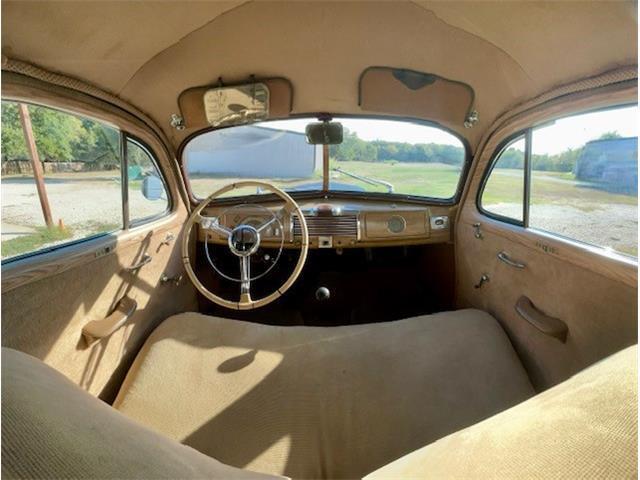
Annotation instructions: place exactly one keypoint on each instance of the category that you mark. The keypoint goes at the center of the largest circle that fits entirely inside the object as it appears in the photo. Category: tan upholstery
(53, 429)
(594, 293)
(311, 402)
(152, 51)
(586, 427)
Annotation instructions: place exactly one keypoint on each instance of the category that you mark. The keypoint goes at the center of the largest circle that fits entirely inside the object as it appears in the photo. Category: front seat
(53, 429)
(585, 427)
(314, 402)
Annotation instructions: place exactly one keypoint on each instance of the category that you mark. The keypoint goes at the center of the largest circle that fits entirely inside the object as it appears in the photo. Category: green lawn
(45, 237)
(425, 179)
(34, 241)
(434, 180)
(441, 181)
(551, 188)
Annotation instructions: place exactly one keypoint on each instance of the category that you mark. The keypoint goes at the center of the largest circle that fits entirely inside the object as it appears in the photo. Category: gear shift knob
(323, 293)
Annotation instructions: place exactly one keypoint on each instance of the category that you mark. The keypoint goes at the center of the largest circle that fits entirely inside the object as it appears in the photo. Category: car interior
(319, 240)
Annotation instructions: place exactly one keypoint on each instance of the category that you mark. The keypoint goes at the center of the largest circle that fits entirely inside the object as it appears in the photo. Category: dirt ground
(609, 225)
(87, 204)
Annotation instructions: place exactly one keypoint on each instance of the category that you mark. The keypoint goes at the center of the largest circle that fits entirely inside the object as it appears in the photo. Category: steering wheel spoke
(213, 224)
(276, 217)
(245, 275)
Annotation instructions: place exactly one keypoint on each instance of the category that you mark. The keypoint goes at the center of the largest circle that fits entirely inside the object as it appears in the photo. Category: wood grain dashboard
(339, 224)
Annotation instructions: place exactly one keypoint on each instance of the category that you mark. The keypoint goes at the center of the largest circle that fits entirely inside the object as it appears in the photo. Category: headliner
(148, 52)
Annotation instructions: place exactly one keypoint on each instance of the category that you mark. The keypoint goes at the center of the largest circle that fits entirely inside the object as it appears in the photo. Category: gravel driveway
(604, 225)
(87, 204)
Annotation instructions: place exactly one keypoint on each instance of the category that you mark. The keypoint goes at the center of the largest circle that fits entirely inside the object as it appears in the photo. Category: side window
(583, 179)
(147, 194)
(503, 193)
(62, 179)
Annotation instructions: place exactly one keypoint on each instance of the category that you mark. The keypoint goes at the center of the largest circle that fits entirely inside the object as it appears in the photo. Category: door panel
(591, 290)
(46, 304)
(48, 298)
(594, 295)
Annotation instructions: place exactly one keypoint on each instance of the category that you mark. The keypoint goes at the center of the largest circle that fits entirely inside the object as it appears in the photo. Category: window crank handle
(484, 278)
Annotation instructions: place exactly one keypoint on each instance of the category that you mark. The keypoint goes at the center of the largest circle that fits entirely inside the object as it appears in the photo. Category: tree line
(63, 137)
(59, 136)
(354, 148)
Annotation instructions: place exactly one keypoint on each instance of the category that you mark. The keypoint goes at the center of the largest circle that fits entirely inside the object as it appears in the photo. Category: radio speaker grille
(328, 225)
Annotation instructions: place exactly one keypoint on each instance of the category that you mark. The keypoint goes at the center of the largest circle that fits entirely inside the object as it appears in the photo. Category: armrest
(549, 325)
(98, 329)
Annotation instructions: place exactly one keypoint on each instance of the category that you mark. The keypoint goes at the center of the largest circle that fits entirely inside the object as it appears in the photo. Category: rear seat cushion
(312, 402)
(53, 429)
(585, 427)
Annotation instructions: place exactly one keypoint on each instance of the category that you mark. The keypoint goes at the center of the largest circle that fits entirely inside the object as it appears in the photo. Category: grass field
(559, 188)
(434, 180)
(34, 241)
(424, 179)
(440, 181)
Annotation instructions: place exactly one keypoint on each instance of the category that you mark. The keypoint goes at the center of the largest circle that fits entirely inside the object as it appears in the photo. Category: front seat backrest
(585, 427)
(53, 429)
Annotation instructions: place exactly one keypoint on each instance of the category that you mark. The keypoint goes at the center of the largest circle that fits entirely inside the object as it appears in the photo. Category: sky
(571, 132)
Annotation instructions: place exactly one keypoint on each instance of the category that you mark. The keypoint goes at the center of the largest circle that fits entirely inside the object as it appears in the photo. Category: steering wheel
(243, 241)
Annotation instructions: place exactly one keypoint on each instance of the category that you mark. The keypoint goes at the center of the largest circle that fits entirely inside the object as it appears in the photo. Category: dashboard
(338, 224)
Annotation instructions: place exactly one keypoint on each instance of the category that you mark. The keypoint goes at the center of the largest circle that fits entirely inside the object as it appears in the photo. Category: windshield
(382, 156)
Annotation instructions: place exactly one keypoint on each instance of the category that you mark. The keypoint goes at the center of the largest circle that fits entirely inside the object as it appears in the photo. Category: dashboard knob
(323, 294)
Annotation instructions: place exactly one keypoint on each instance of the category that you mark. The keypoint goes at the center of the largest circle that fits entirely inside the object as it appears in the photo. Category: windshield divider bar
(325, 168)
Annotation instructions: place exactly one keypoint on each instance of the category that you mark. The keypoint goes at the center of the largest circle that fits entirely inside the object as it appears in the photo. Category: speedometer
(396, 224)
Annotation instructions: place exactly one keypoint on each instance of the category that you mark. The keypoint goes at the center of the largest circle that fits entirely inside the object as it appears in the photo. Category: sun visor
(398, 91)
(236, 104)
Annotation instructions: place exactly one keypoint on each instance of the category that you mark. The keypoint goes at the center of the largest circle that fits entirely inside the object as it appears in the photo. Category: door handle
(143, 261)
(504, 257)
(97, 329)
(548, 325)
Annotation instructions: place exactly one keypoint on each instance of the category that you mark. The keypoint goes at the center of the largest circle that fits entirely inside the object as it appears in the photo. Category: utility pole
(38, 174)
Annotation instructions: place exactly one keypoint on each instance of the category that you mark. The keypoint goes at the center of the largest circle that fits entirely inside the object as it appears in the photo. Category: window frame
(125, 224)
(527, 134)
(500, 149)
(309, 194)
(131, 224)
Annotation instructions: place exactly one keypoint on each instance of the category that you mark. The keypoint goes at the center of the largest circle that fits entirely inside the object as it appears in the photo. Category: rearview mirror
(152, 188)
(324, 133)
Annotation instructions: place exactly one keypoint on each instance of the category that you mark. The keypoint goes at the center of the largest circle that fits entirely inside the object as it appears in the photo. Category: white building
(252, 151)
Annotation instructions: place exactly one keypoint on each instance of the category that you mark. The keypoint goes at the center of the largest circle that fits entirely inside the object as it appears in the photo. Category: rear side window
(62, 179)
(583, 181)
